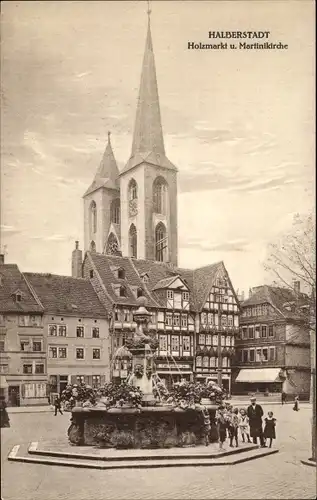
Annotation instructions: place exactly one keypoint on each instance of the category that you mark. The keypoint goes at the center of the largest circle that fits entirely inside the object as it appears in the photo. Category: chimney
(77, 262)
(296, 286)
(1, 258)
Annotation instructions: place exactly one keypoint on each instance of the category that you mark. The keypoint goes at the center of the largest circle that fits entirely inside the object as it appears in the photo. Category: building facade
(23, 366)
(273, 348)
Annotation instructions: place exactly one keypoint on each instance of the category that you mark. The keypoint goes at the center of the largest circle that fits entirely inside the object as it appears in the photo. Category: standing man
(255, 414)
(57, 405)
(283, 397)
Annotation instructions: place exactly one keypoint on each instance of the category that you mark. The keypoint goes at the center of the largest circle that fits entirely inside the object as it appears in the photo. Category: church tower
(102, 207)
(148, 183)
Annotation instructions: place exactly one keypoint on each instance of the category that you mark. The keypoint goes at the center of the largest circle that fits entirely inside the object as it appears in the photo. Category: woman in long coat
(4, 417)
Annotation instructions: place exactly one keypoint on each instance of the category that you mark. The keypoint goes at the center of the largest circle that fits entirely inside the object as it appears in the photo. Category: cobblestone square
(279, 476)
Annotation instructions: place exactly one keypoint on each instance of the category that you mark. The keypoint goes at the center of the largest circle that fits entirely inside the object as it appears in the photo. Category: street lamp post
(219, 349)
(313, 391)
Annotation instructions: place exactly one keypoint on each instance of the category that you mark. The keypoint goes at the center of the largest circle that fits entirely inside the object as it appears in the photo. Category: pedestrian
(244, 426)
(296, 403)
(233, 427)
(221, 426)
(269, 428)
(4, 417)
(207, 425)
(283, 397)
(57, 405)
(255, 414)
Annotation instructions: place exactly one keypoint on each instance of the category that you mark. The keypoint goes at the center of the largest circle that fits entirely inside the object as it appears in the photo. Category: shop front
(261, 380)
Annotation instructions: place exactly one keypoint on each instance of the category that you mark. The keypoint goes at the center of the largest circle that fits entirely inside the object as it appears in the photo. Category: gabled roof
(204, 279)
(165, 283)
(107, 175)
(64, 295)
(278, 297)
(11, 283)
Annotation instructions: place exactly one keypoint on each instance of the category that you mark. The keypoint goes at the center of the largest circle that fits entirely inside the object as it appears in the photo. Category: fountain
(143, 421)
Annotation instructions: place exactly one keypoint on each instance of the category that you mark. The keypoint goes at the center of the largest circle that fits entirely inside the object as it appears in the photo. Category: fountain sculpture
(152, 424)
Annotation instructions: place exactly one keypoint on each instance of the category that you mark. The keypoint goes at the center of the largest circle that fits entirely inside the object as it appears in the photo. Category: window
(257, 332)
(251, 332)
(205, 362)
(223, 340)
(52, 330)
(264, 309)
(230, 321)
(201, 339)
(122, 291)
(228, 341)
(245, 355)
(184, 319)
(244, 332)
(96, 380)
(265, 354)
(203, 317)
(224, 362)
(27, 369)
(62, 352)
(4, 368)
(185, 296)
(115, 211)
(263, 331)
(176, 319)
(199, 361)
(62, 330)
(258, 356)
(121, 273)
(80, 379)
(163, 342)
(272, 353)
(208, 339)
(175, 342)
(112, 247)
(92, 246)
(23, 320)
(133, 190)
(39, 368)
(160, 242)
(215, 340)
(271, 330)
(212, 362)
(210, 319)
(169, 319)
(258, 310)
(223, 320)
(252, 355)
(249, 311)
(25, 345)
(35, 320)
(170, 294)
(79, 353)
(95, 332)
(96, 354)
(139, 292)
(1, 345)
(159, 195)
(52, 352)
(186, 343)
(133, 241)
(93, 217)
(80, 331)
(37, 346)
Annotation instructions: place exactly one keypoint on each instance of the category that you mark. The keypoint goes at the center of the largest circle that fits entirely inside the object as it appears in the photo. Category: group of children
(231, 420)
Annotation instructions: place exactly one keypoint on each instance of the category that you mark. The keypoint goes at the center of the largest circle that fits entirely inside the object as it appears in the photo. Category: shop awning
(259, 375)
(3, 382)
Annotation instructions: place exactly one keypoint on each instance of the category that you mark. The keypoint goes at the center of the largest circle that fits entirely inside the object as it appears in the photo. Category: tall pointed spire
(108, 173)
(148, 134)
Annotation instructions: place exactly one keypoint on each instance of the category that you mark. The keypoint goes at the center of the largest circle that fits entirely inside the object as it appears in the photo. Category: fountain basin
(148, 427)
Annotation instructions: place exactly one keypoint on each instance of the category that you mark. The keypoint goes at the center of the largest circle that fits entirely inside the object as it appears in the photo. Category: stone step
(19, 453)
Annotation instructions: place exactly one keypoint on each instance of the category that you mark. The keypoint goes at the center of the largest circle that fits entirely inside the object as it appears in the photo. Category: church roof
(12, 282)
(199, 281)
(107, 175)
(148, 142)
(64, 295)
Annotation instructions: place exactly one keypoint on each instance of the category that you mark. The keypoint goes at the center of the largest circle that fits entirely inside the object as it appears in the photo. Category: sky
(239, 125)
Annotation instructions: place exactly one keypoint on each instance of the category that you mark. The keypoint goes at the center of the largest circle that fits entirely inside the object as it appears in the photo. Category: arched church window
(93, 216)
(115, 211)
(112, 247)
(160, 242)
(133, 190)
(133, 241)
(160, 195)
(92, 246)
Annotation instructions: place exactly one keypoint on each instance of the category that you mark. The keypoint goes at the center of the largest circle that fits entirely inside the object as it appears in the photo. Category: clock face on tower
(133, 207)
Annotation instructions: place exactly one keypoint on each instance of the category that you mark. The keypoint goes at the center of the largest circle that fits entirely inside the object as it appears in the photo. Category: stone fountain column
(143, 356)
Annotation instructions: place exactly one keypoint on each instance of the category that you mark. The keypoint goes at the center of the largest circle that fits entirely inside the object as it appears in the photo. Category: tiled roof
(12, 281)
(107, 175)
(278, 297)
(199, 281)
(65, 295)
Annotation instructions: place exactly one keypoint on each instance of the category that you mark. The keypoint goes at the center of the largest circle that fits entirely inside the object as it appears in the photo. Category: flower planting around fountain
(141, 412)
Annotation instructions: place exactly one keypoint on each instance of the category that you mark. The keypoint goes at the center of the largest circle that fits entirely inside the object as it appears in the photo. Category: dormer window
(17, 296)
(121, 273)
(170, 294)
(144, 277)
(122, 291)
(139, 292)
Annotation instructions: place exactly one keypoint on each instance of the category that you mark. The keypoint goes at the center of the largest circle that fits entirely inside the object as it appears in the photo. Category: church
(131, 250)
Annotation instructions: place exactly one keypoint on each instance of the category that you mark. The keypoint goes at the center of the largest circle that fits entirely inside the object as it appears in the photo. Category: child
(295, 407)
(269, 429)
(244, 426)
(221, 426)
(233, 427)
(207, 426)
